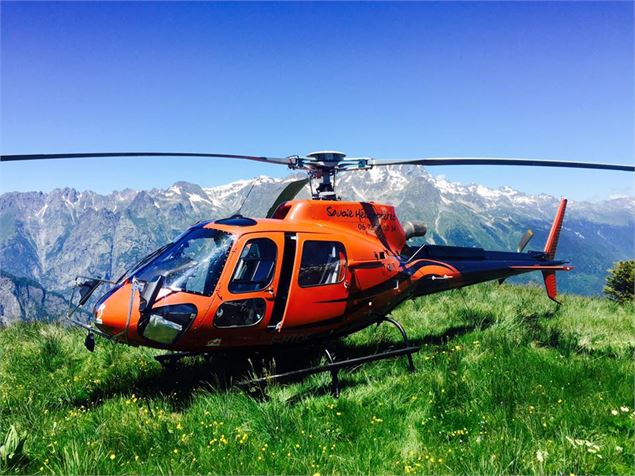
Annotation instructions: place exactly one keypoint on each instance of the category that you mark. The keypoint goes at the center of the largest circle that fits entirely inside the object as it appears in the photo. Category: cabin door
(319, 285)
(248, 296)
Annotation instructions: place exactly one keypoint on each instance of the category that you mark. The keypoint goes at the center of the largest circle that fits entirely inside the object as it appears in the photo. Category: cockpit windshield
(193, 263)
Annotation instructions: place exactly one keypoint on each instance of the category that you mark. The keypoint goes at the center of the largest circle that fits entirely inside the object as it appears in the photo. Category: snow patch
(376, 174)
(193, 198)
(357, 192)
(445, 186)
(42, 211)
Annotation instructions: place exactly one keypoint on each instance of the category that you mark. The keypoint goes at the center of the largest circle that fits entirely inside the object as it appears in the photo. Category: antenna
(247, 196)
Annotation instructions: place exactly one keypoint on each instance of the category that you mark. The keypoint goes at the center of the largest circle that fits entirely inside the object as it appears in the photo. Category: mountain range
(47, 239)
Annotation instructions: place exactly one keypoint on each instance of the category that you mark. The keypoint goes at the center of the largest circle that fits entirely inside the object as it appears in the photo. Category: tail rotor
(524, 240)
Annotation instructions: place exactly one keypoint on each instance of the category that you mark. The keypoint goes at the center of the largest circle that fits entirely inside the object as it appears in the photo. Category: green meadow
(506, 383)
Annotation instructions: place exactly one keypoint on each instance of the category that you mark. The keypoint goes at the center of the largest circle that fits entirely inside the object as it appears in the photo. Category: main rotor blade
(289, 192)
(432, 161)
(83, 155)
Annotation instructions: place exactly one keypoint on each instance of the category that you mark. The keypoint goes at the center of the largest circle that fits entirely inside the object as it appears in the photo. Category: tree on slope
(620, 282)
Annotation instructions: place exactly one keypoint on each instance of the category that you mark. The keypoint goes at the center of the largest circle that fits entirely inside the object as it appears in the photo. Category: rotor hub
(323, 166)
(327, 156)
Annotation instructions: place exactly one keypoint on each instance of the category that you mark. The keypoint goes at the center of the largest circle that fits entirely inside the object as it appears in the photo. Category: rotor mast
(325, 174)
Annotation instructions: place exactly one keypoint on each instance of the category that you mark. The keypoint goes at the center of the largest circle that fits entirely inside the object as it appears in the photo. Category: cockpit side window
(255, 267)
(191, 264)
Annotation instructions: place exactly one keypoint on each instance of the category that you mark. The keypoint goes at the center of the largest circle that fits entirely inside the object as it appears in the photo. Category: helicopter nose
(111, 315)
(106, 322)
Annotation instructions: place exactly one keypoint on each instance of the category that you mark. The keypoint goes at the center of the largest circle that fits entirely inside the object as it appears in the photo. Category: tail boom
(449, 272)
(435, 268)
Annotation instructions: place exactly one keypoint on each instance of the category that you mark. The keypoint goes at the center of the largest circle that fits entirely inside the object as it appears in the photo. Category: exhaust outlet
(414, 229)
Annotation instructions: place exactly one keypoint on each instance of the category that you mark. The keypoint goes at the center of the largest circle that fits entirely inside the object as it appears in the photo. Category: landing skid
(334, 366)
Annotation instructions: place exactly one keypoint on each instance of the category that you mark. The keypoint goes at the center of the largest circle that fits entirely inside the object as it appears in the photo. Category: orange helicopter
(311, 272)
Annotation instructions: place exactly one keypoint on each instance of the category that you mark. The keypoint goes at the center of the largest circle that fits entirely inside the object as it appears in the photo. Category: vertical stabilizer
(551, 246)
(554, 234)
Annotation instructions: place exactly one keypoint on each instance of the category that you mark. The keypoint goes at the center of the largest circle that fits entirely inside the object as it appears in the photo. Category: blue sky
(389, 80)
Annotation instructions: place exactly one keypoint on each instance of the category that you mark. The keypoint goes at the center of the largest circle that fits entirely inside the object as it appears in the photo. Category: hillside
(506, 383)
(50, 238)
(25, 299)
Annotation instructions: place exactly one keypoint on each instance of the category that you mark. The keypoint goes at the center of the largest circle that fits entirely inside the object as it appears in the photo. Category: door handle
(271, 294)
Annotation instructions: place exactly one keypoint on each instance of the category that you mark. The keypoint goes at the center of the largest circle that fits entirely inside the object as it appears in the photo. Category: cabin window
(242, 313)
(323, 262)
(255, 267)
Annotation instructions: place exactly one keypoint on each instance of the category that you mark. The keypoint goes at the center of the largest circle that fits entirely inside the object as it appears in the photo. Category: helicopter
(310, 272)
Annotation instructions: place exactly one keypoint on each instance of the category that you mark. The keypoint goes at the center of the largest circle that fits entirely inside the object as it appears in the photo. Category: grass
(505, 383)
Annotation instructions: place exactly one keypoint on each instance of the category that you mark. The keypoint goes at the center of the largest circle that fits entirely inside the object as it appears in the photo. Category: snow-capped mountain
(50, 238)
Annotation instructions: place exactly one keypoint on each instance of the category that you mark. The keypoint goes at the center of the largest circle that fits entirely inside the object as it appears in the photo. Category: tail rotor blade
(521, 246)
(524, 240)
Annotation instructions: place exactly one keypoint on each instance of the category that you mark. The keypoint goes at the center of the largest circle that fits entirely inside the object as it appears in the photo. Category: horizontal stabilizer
(548, 275)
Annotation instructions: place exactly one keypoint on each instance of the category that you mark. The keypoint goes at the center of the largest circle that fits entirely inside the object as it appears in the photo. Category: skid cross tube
(334, 366)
